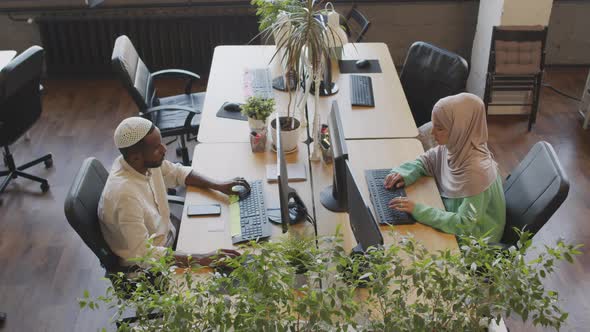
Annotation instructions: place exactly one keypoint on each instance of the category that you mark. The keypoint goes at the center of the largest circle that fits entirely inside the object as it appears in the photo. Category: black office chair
(178, 115)
(20, 108)
(356, 25)
(81, 210)
(429, 74)
(534, 190)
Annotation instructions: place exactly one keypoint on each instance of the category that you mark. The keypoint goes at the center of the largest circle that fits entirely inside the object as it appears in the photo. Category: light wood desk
(371, 154)
(391, 118)
(5, 57)
(225, 161)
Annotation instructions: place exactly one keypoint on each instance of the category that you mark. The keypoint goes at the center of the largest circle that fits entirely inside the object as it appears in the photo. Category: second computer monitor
(333, 197)
(362, 222)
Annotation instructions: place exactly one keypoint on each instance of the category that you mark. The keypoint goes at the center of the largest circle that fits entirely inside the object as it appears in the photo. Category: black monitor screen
(333, 197)
(362, 222)
(283, 178)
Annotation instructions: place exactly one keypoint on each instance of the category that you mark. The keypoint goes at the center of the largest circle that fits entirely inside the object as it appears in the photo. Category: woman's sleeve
(468, 220)
(410, 171)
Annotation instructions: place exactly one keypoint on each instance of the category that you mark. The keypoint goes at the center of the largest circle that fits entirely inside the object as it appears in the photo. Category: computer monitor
(333, 197)
(362, 222)
(293, 209)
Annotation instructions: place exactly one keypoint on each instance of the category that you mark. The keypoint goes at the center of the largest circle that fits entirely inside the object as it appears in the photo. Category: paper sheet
(234, 215)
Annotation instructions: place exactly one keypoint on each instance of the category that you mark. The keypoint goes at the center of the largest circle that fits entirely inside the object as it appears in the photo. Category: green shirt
(484, 213)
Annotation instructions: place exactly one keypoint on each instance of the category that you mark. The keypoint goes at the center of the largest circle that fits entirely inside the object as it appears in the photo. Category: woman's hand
(402, 204)
(394, 180)
(226, 187)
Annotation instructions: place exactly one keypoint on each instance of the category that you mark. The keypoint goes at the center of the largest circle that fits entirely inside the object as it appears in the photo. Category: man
(133, 208)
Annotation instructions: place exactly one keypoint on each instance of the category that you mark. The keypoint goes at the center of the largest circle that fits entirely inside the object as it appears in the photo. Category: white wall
(490, 14)
(526, 12)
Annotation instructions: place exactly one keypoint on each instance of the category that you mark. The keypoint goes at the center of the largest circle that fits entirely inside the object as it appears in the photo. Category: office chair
(20, 108)
(356, 23)
(534, 190)
(178, 115)
(429, 74)
(81, 210)
(517, 63)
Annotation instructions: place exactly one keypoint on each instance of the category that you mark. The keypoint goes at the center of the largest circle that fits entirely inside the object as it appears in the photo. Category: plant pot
(256, 125)
(289, 137)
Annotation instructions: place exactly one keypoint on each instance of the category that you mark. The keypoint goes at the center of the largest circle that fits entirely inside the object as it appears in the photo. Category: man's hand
(226, 187)
(402, 204)
(394, 180)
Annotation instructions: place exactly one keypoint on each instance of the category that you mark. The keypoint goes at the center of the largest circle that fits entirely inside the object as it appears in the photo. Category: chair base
(14, 171)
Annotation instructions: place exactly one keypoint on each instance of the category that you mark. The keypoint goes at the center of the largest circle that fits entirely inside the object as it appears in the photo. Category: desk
(225, 161)
(371, 154)
(391, 118)
(5, 57)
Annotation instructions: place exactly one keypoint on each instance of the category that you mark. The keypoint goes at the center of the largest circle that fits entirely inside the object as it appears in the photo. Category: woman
(464, 170)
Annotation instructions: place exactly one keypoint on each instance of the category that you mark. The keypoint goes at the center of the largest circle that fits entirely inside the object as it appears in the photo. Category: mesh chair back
(133, 73)
(20, 96)
(534, 191)
(81, 208)
(429, 74)
(357, 25)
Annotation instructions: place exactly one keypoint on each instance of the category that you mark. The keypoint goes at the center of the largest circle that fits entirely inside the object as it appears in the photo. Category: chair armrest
(191, 112)
(182, 72)
(175, 200)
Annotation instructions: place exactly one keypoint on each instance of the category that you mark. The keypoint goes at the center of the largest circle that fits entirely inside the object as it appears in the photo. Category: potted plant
(303, 43)
(408, 289)
(257, 110)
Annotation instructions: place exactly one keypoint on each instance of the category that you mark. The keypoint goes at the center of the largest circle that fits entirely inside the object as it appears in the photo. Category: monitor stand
(329, 89)
(329, 202)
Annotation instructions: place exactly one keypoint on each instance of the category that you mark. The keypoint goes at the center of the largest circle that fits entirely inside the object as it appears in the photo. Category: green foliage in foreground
(405, 288)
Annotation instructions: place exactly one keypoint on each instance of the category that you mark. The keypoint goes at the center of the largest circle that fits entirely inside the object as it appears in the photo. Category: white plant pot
(257, 125)
(289, 138)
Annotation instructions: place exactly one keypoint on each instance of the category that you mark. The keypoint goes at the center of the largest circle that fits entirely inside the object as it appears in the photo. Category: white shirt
(134, 208)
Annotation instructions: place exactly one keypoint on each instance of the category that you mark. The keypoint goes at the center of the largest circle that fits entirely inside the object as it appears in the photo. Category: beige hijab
(464, 166)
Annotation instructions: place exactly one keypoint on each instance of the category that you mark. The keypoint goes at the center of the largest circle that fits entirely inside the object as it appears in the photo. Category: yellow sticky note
(234, 215)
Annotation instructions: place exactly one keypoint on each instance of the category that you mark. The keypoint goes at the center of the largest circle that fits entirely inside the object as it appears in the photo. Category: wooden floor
(45, 267)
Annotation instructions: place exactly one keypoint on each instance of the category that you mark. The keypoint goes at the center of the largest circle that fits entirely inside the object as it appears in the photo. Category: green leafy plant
(302, 41)
(267, 11)
(258, 108)
(407, 289)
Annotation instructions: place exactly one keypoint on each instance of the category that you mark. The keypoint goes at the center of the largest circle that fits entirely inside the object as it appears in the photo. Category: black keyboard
(361, 91)
(254, 222)
(380, 197)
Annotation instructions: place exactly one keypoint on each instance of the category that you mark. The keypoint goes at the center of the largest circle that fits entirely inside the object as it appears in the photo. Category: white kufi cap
(131, 130)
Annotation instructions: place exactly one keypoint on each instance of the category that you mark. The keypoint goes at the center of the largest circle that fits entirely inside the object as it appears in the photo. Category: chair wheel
(48, 163)
(178, 152)
(44, 187)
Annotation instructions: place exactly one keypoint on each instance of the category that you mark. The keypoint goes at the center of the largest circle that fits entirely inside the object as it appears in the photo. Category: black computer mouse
(241, 191)
(232, 107)
(362, 63)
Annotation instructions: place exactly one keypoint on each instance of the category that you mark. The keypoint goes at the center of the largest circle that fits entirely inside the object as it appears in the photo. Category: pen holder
(325, 145)
(258, 140)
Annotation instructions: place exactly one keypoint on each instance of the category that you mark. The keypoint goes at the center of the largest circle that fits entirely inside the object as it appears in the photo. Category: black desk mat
(349, 67)
(230, 115)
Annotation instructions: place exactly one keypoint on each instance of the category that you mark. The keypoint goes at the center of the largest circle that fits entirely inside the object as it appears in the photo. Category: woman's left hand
(402, 204)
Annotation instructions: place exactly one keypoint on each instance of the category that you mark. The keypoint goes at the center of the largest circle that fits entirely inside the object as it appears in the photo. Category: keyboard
(257, 82)
(254, 224)
(380, 197)
(361, 91)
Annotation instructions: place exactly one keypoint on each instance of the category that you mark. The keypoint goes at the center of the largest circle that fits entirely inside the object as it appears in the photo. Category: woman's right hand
(394, 180)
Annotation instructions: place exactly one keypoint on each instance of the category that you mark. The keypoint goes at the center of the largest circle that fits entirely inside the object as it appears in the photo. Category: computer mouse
(362, 63)
(241, 191)
(232, 107)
